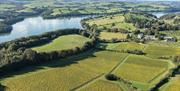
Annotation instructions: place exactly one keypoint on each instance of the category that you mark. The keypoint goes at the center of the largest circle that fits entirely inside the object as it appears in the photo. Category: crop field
(125, 46)
(66, 74)
(63, 43)
(109, 35)
(173, 85)
(107, 22)
(102, 85)
(141, 69)
(159, 51)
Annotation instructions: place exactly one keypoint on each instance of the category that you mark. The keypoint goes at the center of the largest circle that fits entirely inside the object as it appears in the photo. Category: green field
(63, 43)
(107, 22)
(110, 36)
(142, 70)
(63, 75)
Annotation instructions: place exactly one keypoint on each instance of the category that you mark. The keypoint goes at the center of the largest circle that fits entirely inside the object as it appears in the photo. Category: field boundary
(119, 64)
(99, 76)
(88, 82)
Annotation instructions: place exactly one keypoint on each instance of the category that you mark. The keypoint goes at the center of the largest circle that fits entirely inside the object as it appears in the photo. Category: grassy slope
(65, 74)
(62, 43)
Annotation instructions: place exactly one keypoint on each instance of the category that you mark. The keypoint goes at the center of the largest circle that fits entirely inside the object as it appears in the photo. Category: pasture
(110, 36)
(63, 43)
(66, 74)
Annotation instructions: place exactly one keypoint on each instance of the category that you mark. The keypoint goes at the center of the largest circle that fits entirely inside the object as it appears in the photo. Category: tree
(30, 55)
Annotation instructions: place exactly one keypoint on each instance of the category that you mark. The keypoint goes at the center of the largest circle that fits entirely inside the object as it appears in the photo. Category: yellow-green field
(142, 69)
(109, 35)
(107, 22)
(63, 75)
(125, 46)
(173, 85)
(159, 51)
(63, 43)
(102, 85)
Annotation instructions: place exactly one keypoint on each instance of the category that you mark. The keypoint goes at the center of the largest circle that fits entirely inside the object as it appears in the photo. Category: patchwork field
(63, 43)
(159, 51)
(141, 69)
(109, 35)
(108, 21)
(66, 74)
(173, 85)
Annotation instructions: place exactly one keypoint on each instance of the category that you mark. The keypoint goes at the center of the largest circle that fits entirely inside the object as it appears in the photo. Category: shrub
(111, 77)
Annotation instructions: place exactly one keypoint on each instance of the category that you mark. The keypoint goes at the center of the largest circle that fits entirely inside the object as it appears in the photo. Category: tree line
(17, 54)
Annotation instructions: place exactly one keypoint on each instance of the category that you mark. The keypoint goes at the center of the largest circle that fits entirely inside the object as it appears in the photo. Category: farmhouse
(169, 39)
(140, 36)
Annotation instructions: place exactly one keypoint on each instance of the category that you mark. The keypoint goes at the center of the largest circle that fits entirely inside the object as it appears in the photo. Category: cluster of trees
(176, 60)
(114, 40)
(149, 22)
(118, 30)
(113, 77)
(4, 28)
(16, 54)
(137, 52)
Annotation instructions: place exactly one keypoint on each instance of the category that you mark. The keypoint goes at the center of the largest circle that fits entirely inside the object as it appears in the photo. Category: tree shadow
(52, 64)
(2, 88)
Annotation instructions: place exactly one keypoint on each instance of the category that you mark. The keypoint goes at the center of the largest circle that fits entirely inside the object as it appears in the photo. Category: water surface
(38, 25)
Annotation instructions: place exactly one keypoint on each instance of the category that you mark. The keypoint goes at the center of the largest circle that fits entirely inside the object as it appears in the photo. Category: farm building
(140, 36)
(170, 39)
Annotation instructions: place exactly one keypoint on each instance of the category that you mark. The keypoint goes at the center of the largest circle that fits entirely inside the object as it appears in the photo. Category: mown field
(110, 36)
(173, 85)
(63, 43)
(63, 75)
(108, 21)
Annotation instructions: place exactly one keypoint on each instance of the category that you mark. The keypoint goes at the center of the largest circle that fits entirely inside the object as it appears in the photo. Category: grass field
(159, 51)
(126, 46)
(66, 74)
(173, 85)
(109, 35)
(63, 43)
(107, 22)
(102, 85)
(142, 71)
